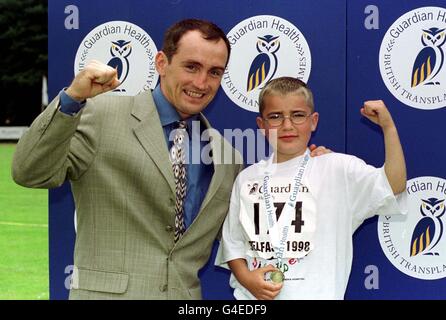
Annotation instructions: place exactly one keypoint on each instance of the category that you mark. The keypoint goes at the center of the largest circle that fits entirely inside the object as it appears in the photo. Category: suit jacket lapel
(151, 136)
(217, 156)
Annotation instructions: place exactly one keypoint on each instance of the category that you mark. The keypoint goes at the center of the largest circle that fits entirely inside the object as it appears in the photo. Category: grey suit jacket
(115, 155)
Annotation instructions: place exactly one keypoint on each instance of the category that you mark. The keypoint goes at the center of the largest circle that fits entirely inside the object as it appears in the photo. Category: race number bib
(296, 234)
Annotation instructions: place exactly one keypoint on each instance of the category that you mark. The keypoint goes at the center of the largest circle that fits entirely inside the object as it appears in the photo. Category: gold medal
(277, 276)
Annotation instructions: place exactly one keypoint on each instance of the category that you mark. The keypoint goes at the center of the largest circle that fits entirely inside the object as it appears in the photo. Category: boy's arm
(395, 165)
(254, 281)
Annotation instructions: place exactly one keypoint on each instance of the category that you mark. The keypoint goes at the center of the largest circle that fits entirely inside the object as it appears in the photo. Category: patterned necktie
(178, 157)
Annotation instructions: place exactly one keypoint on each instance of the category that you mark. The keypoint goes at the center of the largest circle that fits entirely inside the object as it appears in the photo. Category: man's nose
(200, 80)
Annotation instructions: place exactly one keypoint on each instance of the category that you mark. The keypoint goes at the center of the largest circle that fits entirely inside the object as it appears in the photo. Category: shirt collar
(166, 111)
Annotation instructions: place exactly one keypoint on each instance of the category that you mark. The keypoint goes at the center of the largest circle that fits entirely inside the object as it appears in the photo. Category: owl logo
(429, 61)
(429, 229)
(120, 50)
(264, 65)
(254, 188)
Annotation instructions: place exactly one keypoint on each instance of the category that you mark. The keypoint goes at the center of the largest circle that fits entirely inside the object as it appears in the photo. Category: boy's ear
(314, 121)
(260, 123)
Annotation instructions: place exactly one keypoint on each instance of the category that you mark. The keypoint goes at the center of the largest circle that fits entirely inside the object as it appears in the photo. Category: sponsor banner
(126, 47)
(265, 47)
(415, 243)
(411, 58)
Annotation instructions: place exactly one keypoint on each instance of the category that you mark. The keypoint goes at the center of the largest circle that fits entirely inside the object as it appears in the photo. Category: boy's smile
(288, 138)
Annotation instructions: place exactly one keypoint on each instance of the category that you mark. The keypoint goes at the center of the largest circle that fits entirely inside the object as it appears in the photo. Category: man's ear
(161, 62)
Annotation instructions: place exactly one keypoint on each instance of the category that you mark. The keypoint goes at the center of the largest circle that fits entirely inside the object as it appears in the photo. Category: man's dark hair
(209, 31)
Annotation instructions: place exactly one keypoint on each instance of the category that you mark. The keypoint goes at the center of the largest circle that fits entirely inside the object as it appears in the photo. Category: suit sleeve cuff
(68, 105)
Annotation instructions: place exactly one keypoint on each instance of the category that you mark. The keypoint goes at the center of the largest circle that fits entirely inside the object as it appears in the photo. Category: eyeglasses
(277, 119)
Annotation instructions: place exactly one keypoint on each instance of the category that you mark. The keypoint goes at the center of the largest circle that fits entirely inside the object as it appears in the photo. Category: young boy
(288, 234)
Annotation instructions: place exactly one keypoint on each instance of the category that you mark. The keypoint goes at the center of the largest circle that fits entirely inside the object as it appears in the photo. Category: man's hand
(94, 79)
(376, 111)
(318, 151)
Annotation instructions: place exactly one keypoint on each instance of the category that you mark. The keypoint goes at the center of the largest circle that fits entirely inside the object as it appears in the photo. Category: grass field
(23, 236)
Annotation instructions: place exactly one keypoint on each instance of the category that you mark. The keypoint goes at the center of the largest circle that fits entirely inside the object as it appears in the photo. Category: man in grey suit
(114, 150)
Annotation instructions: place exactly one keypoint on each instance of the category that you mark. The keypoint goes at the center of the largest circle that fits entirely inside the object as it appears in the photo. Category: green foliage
(24, 59)
(24, 41)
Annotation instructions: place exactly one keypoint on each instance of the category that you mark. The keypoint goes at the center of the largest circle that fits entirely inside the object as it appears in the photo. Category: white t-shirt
(337, 194)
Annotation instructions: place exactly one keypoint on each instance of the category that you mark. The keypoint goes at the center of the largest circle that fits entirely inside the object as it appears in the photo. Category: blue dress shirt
(68, 105)
(199, 175)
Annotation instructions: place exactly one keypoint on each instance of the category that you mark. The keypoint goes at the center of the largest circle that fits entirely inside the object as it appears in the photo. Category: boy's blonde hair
(284, 86)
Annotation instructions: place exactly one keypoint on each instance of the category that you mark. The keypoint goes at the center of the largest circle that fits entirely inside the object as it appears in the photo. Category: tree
(24, 60)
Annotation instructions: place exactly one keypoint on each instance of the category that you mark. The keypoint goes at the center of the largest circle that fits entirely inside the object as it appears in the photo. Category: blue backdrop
(418, 129)
(344, 40)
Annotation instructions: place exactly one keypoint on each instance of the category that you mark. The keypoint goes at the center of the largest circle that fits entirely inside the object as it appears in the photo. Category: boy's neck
(280, 157)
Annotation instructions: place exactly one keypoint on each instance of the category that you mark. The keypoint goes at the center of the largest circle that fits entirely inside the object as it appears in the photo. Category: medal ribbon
(289, 208)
